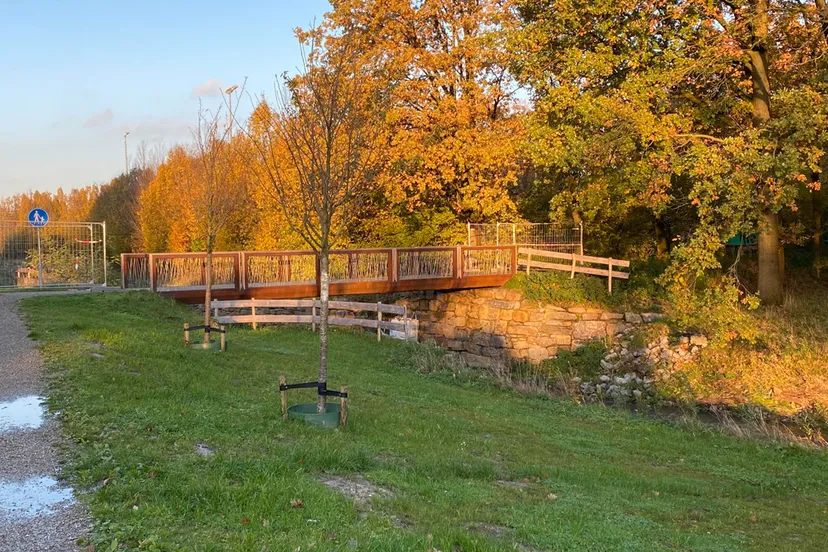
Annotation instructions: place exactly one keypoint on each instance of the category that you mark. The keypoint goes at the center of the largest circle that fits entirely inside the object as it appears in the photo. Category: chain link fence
(60, 254)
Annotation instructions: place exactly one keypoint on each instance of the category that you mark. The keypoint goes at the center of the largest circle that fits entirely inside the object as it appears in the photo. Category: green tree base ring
(211, 346)
(307, 413)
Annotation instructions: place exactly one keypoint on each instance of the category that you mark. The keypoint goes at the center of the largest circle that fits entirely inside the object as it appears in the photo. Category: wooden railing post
(459, 262)
(609, 282)
(379, 322)
(153, 276)
(572, 275)
(123, 271)
(243, 269)
(528, 263)
(236, 274)
(514, 257)
(253, 311)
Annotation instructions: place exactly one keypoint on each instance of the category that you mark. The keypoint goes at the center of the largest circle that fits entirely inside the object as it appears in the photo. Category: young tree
(320, 153)
(216, 188)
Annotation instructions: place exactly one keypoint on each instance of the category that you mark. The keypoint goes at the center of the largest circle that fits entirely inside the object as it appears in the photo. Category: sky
(78, 74)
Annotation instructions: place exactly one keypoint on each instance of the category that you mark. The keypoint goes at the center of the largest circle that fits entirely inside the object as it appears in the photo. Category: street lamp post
(229, 93)
(126, 157)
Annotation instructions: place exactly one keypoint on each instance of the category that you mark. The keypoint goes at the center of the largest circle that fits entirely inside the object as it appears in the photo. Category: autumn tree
(453, 122)
(666, 106)
(320, 152)
(118, 205)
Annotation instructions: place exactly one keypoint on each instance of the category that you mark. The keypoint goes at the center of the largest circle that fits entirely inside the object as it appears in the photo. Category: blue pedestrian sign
(38, 217)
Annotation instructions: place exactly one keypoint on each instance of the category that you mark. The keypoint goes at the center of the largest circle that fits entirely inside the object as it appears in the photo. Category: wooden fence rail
(575, 264)
(407, 326)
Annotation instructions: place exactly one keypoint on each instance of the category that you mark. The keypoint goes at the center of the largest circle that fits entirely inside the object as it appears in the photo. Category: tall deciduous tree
(454, 125)
(321, 152)
(665, 105)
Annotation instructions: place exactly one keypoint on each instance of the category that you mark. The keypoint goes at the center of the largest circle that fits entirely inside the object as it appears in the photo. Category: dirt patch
(358, 489)
(203, 450)
(491, 529)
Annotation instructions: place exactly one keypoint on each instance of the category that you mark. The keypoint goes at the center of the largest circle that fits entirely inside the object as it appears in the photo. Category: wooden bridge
(295, 274)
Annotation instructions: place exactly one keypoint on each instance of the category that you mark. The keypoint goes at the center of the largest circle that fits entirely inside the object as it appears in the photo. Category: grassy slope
(620, 482)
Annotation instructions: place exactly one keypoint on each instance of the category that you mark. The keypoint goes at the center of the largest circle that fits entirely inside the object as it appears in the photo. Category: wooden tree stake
(343, 407)
(528, 263)
(283, 393)
(223, 338)
(186, 335)
(572, 276)
(253, 312)
(313, 317)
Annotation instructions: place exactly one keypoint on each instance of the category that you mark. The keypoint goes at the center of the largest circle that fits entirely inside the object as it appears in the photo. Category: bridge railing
(245, 270)
(186, 271)
(488, 260)
(360, 265)
(413, 263)
(268, 268)
(135, 273)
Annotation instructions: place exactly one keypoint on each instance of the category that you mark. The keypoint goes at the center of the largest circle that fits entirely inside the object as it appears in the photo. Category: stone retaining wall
(490, 325)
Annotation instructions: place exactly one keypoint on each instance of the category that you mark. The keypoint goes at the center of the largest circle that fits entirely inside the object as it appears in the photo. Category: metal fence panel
(553, 237)
(60, 254)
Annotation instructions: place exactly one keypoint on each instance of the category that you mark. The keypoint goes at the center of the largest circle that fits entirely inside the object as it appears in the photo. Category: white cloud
(99, 119)
(211, 88)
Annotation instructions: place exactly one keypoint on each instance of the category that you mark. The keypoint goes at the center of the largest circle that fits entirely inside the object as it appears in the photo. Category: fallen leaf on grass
(265, 523)
(297, 503)
(551, 496)
(245, 521)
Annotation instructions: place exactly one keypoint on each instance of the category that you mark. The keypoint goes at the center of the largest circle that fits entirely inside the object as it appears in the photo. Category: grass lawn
(468, 466)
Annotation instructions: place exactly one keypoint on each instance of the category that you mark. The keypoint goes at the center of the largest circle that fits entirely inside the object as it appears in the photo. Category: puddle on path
(32, 497)
(21, 413)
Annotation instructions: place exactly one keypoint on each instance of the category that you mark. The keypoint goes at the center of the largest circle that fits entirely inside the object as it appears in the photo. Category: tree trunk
(577, 217)
(324, 289)
(208, 288)
(770, 272)
(816, 204)
(662, 235)
(771, 263)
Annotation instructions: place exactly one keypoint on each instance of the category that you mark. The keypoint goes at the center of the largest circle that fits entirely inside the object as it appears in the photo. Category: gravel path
(36, 512)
